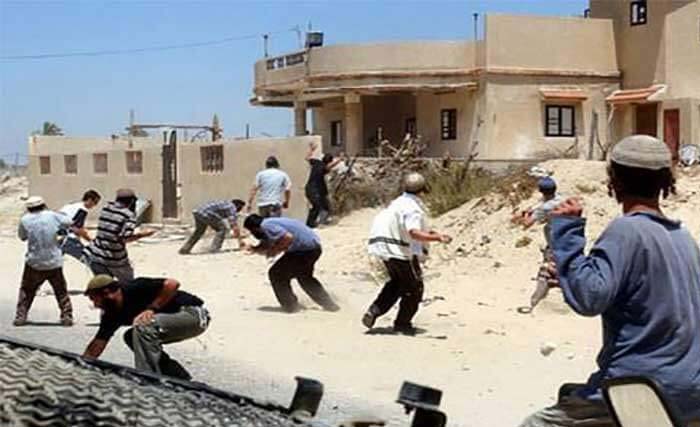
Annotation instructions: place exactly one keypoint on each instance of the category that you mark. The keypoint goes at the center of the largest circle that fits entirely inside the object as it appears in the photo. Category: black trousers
(319, 202)
(405, 284)
(299, 266)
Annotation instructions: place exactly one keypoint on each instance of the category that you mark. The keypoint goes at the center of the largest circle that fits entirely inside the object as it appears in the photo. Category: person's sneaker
(368, 319)
(20, 322)
(66, 322)
(183, 252)
(409, 330)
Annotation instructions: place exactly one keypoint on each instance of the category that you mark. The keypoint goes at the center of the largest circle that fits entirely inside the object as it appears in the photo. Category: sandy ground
(475, 346)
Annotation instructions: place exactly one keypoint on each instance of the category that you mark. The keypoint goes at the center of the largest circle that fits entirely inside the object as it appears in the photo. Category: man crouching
(158, 312)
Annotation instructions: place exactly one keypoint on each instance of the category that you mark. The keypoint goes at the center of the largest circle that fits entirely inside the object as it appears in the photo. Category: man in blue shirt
(299, 248)
(643, 277)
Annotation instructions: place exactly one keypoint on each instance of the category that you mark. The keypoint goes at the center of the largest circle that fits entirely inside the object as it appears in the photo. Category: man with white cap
(116, 227)
(642, 277)
(398, 237)
(39, 227)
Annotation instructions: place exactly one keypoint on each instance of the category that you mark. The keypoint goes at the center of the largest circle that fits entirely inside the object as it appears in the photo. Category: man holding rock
(642, 277)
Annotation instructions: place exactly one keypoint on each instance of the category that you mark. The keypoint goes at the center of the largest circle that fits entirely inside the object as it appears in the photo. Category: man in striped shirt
(221, 215)
(116, 227)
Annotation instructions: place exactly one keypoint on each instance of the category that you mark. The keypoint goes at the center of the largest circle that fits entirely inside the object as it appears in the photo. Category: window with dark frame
(45, 165)
(134, 162)
(411, 128)
(337, 133)
(212, 157)
(448, 124)
(638, 12)
(559, 120)
(70, 164)
(99, 163)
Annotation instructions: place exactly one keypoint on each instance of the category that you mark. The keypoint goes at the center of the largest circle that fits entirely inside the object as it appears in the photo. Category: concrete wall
(242, 160)
(59, 188)
(428, 108)
(683, 51)
(514, 117)
(551, 43)
(322, 118)
(642, 49)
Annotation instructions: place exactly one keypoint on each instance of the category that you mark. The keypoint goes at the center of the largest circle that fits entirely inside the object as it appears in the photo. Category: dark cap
(123, 193)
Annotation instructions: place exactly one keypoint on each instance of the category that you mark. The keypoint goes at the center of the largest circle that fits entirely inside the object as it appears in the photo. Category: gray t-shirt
(271, 183)
(542, 213)
(40, 230)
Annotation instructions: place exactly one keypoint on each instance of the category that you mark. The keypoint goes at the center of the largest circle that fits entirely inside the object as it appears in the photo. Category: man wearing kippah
(158, 313)
(642, 277)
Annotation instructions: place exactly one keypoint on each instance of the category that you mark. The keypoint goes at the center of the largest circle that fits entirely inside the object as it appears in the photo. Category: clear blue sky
(93, 95)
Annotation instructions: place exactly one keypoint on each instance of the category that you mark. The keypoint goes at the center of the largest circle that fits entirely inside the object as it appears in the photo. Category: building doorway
(646, 120)
(169, 156)
(671, 131)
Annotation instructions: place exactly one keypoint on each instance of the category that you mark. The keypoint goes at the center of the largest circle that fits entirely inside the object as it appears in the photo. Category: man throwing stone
(301, 248)
(642, 277)
(158, 313)
(397, 237)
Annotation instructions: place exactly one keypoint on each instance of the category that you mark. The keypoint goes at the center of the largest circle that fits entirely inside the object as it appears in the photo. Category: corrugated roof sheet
(45, 387)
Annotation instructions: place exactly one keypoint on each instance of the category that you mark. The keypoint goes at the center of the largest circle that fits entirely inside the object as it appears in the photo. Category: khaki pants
(146, 341)
(32, 280)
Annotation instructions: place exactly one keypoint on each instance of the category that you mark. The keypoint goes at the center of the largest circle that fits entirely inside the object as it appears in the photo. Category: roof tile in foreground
(45, 387)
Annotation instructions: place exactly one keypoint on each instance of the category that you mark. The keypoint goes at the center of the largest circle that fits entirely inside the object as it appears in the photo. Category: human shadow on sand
(276, 309)
(419, 333)
(42, 323)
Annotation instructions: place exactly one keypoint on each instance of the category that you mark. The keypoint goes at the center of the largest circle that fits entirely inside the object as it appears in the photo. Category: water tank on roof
(314, 39)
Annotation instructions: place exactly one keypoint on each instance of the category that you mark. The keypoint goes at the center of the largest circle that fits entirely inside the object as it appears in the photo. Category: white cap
(643, 152)
(413, 182)
(34, 202)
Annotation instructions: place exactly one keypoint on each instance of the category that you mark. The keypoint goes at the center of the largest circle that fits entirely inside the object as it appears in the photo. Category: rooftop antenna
(266, 37)
(476, 25)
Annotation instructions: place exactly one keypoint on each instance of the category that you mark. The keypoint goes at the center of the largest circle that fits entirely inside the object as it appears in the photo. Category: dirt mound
(12, 192)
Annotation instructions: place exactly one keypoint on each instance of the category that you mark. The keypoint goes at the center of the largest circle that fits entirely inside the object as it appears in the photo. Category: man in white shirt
(398, 237)
(273, 189)
(77, 213)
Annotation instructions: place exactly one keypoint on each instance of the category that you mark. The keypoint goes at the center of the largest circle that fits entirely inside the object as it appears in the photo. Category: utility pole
(476, 25)
(265, 40)
(247, 131)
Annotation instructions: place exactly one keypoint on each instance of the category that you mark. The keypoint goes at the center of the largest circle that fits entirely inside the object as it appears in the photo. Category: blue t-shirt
(643, 277)
(305, 239)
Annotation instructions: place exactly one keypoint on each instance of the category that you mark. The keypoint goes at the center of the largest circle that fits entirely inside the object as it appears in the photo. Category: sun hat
(34, 202)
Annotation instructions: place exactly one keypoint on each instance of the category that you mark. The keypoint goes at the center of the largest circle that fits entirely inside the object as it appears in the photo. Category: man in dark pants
(300, 248)
(397, 237)
(219, 215)
(39, 227)
(316, 189)
(158, 311)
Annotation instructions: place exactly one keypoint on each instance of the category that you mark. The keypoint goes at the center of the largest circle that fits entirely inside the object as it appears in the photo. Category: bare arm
(251, 197)
(166, 293)
(82, 232)
(95, 348)
(139, 235)
(333, 164)
(310, 151)
(287, 196)
(429, 236)
(281, 245)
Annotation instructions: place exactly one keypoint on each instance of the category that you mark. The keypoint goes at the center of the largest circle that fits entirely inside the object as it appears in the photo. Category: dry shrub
(357, 195)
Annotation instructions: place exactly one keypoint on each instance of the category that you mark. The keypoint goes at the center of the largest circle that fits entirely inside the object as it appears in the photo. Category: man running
(398, 237)
(301, 248)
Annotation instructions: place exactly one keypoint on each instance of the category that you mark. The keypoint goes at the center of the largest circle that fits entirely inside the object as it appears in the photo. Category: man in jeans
(398, 237)
(273, 189)
(219, 215)
(116, 226)
(39, 227)
(300, 248)
(158, 312)
(78, 213)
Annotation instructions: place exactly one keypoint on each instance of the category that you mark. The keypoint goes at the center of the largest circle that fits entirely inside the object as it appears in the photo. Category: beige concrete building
(533, 86)
(175, 176)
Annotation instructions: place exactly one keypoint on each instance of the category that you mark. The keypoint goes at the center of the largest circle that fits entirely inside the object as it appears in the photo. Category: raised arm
(95, 348)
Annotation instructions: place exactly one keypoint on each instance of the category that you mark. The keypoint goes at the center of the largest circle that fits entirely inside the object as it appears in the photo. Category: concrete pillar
(353, 124)
(299, 118)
